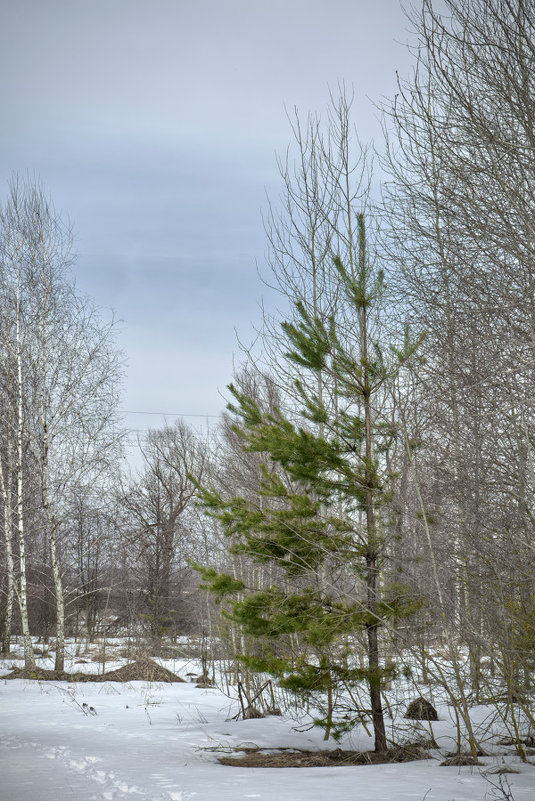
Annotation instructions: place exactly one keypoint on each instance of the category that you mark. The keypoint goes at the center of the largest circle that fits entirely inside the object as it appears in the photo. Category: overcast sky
(154, 126)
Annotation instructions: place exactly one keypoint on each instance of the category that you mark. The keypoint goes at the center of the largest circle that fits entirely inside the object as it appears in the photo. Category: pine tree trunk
(372, 589)
(372, 629)
(372, 572)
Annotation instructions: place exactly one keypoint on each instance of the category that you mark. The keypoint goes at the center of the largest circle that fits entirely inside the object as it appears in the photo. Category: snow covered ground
(160, 742)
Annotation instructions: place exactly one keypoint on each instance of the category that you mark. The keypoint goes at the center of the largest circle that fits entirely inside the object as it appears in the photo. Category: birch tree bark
(5, 490)
(14, 346)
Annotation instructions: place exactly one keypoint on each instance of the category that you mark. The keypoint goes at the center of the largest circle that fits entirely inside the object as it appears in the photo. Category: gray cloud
(154, 125)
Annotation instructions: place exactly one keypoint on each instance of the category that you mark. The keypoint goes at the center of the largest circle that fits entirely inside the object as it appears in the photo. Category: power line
(167, 414)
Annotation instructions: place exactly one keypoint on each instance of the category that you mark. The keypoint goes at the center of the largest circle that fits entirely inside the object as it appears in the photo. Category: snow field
(160, 742)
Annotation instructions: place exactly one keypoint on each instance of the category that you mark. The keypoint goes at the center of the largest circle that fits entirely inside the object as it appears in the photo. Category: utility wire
(167, 414)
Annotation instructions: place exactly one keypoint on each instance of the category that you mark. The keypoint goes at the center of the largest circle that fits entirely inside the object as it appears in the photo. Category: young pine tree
(316, 518)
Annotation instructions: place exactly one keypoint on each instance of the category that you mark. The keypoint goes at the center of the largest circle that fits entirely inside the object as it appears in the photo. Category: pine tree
(323, 483)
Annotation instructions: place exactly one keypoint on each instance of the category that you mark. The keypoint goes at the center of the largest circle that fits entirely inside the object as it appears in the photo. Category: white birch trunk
(49, 515)
(56, 574)
(22, 594)
(5, 489)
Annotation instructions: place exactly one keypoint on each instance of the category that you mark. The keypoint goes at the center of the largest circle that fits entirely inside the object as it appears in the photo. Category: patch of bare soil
(141, 670)
(283, 758)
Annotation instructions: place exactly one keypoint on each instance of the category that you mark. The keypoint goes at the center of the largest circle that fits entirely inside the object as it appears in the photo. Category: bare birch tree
(65, 375)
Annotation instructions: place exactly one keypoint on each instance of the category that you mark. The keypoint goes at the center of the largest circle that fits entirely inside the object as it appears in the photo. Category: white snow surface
(161, 742)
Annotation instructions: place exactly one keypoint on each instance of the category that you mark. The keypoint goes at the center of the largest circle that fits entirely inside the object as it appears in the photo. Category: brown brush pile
(283, 758)
(140, 670)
